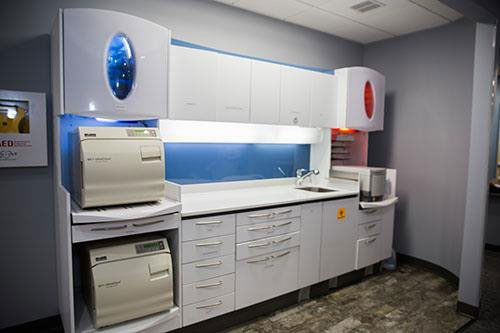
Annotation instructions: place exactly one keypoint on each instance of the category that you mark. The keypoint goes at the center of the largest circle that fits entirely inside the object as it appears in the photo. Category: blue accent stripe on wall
(200, 47)
(194, 163)
(68, 126)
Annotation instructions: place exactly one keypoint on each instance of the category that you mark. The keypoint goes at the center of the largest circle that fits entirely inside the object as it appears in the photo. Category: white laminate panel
(265, 93)
(369, 229)
(206, 269)
(206, 289)
(267, 245)
(369, 215)
(247, 233)
(368, 251)
(387, 231)
(310, 244)
(264, 277)
(206, 227)
(207, 248)
(207, 309)
(264, 215)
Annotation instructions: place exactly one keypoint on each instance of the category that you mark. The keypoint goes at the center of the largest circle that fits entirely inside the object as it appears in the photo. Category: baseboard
(467, 309)
(443, 272)
(46, 325)
(492, 247)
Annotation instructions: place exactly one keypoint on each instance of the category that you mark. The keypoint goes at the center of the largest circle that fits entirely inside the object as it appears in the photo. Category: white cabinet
(233, 89)
(387, 231)
(265, 93)
(295, 96)
(323, 98)
(193, 84)
(310, 244)
(368, 251)
(114, 65)
(360, 100)
(338, 237)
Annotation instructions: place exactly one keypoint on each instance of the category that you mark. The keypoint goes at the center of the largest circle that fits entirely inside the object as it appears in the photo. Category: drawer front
(103, 230)
(264, 277)
(266, 245)
(369, 215)
(207, 248)
(206, 269)
(207, 309)
(206, 289)
(208, 227)
(265, 215)
(368, 251)
(369, 229)
(251, 232)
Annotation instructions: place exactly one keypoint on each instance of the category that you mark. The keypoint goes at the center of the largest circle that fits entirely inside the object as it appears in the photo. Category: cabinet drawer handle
(146, 223)
(209, 222)
(209, 244)
(282, 240)
(210, 285)
(371, 226)
(260, 228)
(209, 305)
(256, 216)
(212, 264)
(119, 227)
(371, 240)
(371, 211)
(282, 224)
(284, 212)
(259, 245)
(282, 254)
(258, 260)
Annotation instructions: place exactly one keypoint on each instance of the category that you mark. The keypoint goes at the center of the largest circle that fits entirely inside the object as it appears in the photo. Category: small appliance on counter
(128, 279)
(117, 165)
(372, 180)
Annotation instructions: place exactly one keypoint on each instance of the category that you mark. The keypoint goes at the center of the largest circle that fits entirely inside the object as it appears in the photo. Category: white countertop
(215, 198)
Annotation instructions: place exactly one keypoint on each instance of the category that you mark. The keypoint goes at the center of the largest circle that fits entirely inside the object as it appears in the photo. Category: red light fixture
(369, 100)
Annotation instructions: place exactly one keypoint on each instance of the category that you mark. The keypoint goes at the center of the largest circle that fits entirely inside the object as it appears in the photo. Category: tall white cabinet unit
(112, 65)
(193, 84)
(265, 93)
(360, 100)
(295, 96)
(323, 97)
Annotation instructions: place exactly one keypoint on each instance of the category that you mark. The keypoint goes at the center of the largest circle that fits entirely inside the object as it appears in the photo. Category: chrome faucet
(301, 176)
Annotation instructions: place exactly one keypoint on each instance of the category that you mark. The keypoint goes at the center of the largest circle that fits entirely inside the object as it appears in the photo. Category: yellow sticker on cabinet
(341, 214)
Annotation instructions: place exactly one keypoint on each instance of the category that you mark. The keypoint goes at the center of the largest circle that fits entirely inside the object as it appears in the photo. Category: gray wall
(28, 280)
(426, 136)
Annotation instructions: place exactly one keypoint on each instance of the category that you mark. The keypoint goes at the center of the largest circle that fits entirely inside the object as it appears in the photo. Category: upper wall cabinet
(111, 65)
(323, 97)
(193, 84)
(265, 93)
(233, 89)
(360, 101)
(295, 96)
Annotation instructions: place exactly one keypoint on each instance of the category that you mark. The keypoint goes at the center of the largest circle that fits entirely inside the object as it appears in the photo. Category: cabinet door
(295, 96)
(193, 82)
(338, 238)
(233, 89)
(265, 93)
(323, 91)
(310, 246)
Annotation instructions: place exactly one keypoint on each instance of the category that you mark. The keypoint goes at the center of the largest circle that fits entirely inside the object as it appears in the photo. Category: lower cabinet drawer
(207, 248)
(206, 269)
(208, 227)
(247, 233)
(368, 229)
(368, 251)
(371, 214)
(203, 290)
(103, 230)
(266, 245)
(207, 309)
(264, 277)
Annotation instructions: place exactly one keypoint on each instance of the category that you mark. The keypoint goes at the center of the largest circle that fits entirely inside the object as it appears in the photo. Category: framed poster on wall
(23, 129)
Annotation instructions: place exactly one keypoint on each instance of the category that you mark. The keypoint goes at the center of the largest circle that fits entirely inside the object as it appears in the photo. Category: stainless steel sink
(315, 189)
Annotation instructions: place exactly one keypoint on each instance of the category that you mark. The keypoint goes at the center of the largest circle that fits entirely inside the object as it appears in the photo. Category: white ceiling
(336, 17)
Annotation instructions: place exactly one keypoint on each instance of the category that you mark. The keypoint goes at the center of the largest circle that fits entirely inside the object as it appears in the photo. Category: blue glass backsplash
(194, 163)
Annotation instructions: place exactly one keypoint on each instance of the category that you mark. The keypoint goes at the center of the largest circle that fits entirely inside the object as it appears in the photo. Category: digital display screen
(149, 247)
(144, 133)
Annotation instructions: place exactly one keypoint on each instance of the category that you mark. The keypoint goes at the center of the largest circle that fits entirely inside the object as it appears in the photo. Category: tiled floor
(410, 299)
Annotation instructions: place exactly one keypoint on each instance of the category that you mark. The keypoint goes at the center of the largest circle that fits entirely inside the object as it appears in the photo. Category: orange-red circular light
(369, 100)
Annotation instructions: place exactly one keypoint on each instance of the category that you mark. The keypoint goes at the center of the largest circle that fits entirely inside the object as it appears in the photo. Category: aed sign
(341, 214)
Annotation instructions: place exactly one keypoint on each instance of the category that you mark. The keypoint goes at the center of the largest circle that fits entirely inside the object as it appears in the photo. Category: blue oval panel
(120, 64)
